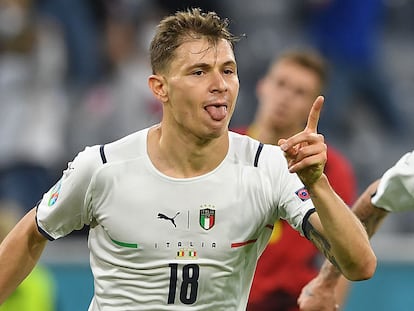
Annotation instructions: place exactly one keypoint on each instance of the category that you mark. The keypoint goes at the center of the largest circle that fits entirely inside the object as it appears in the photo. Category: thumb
(281, 142)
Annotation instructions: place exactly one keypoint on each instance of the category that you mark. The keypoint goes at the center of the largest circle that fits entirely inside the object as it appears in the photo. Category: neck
(184, 156)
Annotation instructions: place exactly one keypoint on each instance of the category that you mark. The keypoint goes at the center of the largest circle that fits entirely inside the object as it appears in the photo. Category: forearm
(19, 253)
(371, 216)
(340, 235)
(342, 291)
(329, 276)
(326, 292)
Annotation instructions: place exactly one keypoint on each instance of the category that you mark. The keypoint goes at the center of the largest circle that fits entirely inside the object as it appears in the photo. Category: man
(285, 95)
(394, 192)
(178, 211)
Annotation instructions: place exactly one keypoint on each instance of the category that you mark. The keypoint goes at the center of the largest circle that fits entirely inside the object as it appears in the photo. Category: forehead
(292, 70)
(289, 67)
(202, 50)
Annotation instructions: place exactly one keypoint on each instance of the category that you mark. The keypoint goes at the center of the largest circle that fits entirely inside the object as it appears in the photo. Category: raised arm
(334, 229)
(319, 293)
(19, 253)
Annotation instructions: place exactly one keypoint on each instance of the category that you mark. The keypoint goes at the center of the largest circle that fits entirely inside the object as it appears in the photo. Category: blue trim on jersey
(102, 152)
(306, 225)
(43, 232)
(256, 158)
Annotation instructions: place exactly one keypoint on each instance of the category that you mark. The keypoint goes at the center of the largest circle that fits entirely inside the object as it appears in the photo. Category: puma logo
(162, 216)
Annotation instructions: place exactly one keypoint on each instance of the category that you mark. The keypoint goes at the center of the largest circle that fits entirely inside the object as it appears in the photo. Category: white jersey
(395, 191)
(163, 243)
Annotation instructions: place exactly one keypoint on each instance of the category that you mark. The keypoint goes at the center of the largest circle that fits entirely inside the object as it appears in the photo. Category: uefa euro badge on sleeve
(54, 194)
(303, 194)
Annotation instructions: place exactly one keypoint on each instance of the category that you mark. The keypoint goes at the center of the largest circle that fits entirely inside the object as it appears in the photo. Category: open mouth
(217, 112)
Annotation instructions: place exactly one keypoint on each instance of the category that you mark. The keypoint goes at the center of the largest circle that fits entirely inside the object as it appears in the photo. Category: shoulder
(402, 171)
(245, 149)
(128, 147)
(341, 175)
(395, 191)
(338, 162)
(92, 158)
(406, 162)
(336, 156)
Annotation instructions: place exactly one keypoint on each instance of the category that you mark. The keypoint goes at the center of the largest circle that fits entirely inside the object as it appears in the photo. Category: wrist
(320, 184)
(326, 283)
(328, 276)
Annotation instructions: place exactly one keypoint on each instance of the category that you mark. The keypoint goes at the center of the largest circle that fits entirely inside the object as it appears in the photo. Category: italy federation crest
(207, 217)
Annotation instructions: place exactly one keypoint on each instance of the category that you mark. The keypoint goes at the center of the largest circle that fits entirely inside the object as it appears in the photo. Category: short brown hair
(173, 30)
(309, 59)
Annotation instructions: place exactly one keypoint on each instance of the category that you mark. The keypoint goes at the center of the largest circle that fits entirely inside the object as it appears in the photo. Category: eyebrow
(206, 65)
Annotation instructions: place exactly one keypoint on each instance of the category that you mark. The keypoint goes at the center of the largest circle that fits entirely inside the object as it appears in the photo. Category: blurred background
(74, 73)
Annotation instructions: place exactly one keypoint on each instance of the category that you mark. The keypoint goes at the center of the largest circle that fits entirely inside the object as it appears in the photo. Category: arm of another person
(319, 294)
(19, 253)
(334, 229)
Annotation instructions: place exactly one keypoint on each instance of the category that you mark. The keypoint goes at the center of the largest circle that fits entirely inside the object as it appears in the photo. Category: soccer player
(178, 211)
(393, 192)
(285, 95)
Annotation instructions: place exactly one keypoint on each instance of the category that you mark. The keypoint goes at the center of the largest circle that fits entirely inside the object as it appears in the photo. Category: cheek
(270, 90)
(303, 110)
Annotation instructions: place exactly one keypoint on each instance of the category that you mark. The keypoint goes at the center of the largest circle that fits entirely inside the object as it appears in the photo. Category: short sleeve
(291, 199)
(66, 206)
(396, 189)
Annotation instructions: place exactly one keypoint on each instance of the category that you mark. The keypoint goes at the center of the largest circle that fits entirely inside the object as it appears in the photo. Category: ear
(158, 86)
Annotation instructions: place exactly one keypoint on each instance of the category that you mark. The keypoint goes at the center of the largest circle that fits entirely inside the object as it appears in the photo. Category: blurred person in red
(285, 96)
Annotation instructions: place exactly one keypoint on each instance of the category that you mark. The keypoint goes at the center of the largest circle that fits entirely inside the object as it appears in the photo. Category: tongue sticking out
(217, 113)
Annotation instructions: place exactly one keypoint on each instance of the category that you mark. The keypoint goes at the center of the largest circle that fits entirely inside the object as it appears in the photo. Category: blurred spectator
(37, 292)
(121, 102)
(348, 34)
(171, 6)
(81, 26)
(285, 95)
(32, 103)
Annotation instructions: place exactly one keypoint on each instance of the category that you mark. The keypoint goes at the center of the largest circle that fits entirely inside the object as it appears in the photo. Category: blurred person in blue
(393, 192)
(348, 34)
(32, 103)
(81, 27)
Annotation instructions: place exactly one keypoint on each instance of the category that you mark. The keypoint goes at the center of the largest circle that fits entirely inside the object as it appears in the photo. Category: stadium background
(270, 26)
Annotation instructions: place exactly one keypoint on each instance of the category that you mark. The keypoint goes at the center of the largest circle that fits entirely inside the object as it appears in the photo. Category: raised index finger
(314, 114)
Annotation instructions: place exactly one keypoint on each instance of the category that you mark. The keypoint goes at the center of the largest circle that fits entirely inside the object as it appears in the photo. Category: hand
(306, 151)
(316, 297)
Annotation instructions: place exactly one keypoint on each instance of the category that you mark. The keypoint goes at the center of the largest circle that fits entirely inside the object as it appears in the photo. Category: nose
(218, 82)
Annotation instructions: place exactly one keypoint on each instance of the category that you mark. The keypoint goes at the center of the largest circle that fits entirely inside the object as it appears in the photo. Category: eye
(198, 72)
(300, 92)
(280, 82)
(228, 71)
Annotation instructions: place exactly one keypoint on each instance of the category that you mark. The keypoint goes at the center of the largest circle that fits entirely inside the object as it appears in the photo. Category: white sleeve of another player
(395, 191)
(66, 206)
